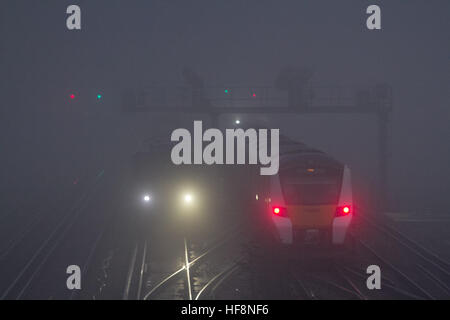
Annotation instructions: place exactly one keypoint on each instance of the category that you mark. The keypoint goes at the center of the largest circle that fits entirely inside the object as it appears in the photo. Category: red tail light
(343, 211)
(279, 211)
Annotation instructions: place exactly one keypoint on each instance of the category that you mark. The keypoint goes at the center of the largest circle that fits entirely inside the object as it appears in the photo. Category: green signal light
(226, 90)
(99, 96)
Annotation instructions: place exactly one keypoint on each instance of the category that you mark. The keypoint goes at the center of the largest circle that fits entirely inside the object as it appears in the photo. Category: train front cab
(316, 211)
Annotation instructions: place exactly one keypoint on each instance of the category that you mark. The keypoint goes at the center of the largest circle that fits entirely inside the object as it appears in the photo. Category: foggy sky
(132, 43)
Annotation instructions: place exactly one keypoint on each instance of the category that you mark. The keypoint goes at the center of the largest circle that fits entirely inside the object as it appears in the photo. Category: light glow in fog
(188, 198)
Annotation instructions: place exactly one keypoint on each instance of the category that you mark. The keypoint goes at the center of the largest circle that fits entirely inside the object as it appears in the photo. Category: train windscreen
(311, 186)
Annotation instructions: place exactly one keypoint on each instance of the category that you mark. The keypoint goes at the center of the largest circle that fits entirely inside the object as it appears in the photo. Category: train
(308, 202)
(186, 194)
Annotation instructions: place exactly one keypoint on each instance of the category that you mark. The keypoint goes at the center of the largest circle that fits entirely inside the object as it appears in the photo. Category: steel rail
(404, 276)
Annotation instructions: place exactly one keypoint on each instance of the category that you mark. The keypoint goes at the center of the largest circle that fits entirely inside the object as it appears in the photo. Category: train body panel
(318, 216)
(341, 224)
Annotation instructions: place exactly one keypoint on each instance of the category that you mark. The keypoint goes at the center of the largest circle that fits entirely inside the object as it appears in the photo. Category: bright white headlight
(188, 198)
(146, 198)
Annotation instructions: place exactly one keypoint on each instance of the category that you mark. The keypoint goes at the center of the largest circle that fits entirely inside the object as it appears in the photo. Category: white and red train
(310, 199)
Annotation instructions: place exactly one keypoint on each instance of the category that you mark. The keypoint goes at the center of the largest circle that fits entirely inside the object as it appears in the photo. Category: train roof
(289, 146)
(292, 153)
(288, 149)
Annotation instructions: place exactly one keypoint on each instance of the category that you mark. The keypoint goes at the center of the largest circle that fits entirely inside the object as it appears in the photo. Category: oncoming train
(310, 200)
(193, 192)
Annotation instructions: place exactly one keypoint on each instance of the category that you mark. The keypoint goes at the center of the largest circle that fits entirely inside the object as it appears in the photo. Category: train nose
(320, 216)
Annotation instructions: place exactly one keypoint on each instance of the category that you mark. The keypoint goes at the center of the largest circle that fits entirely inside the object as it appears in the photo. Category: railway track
(192, 261)
(213, 284)
(138, 263)
(420, 251)
(15, 241)
(401, 278)
(425, 264)
(405, 279)
(40, 256)
(343, 280)
(388, 284)
(334, 283)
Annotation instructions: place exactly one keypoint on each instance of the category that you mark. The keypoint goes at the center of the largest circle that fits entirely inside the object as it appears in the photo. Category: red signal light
(279, 211)
(72, 96)
(343, 211)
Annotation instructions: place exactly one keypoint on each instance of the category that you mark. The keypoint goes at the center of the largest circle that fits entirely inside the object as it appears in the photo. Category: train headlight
(146, 198)
(188, 198)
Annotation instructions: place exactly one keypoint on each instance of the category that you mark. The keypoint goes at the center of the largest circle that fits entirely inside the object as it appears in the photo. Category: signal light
(99, 96)
(226, 90)
(279, 211)
(343, 211)
(72, 96)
